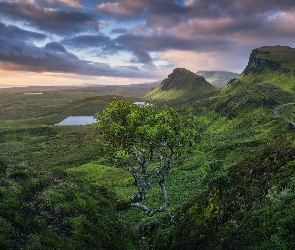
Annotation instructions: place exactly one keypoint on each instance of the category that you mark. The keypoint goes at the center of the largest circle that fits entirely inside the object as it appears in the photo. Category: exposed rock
(181, 79)
(271, 57)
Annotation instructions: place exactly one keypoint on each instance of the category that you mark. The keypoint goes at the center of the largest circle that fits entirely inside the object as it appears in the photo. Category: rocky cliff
(274, 58)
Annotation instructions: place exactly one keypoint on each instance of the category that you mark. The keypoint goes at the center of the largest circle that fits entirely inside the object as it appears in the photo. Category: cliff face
(181, 83)
(274, 58)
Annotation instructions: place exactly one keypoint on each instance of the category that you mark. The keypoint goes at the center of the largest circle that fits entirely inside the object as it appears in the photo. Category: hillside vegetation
(180, 84)
(235, 189)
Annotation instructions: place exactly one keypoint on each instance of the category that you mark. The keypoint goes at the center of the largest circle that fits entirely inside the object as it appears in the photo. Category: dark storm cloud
(19, 56)
(93, 41)
(167, 13)
(216, 8)
(141, 45)
(54, 46)
(13, 32)
(153, 26)
(56, 21)
(158, 43)
(250, 7)
(141, 56)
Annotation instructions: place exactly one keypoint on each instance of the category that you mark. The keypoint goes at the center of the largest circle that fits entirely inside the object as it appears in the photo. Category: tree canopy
(145, 140)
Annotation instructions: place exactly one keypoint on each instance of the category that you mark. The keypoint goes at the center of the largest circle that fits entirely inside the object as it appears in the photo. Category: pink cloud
(124, 7)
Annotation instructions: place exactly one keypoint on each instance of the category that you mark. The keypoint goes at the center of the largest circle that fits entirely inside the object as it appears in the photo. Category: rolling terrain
(235, 189)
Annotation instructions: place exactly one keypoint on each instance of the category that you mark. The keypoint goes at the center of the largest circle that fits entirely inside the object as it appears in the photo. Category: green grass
(235, 188)
(288, 111)
(48, 146)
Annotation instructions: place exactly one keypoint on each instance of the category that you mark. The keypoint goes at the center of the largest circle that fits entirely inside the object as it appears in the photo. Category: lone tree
(146, 141)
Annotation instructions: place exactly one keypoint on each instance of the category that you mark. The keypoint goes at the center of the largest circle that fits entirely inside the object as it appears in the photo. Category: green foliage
(3, 165)
(279, 242)
(254, 212)
(146, 141)
(55, 209)
(235, 189)
(126, 127)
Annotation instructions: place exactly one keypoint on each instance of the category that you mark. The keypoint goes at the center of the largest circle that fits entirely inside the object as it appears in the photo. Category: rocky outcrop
(268, 57)
(182, 78)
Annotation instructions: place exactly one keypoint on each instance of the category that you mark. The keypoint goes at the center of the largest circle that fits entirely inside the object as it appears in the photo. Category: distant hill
(181, 83)
(218, 78)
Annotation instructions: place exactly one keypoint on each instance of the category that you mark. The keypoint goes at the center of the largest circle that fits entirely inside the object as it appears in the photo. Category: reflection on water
(84, 120)
(78, 120)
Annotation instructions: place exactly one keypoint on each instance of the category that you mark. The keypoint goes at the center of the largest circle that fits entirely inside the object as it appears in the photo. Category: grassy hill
(180, 84)
(248, 201)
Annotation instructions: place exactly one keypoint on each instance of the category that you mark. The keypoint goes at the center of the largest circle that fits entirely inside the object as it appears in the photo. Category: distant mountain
(181, 83)
(218, 78)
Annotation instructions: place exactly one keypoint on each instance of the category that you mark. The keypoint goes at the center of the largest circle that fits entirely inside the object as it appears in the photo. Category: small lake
(77, 120)
(82, 120)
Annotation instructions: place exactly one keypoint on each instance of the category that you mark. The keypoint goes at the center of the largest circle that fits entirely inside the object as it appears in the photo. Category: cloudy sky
(50, 42)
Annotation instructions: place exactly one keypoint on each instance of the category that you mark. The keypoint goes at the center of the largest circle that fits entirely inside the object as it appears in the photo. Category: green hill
(271, 64)
(181, 83)
(248, 195)
(267, 81)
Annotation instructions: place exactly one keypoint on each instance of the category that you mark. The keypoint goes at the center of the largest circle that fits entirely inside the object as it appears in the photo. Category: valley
(233, 189)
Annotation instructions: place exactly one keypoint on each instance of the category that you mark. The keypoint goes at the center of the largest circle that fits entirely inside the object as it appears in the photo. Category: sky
(75, 42)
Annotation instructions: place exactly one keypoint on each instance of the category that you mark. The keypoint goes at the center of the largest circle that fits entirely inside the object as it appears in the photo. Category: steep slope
(218, 78)
(267, 81)
(248, 195)
(181, 83)
(280, 59)
(272, 65)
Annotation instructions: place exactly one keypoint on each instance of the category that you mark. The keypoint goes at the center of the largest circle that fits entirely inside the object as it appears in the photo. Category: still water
(78, 120)
(84, 120)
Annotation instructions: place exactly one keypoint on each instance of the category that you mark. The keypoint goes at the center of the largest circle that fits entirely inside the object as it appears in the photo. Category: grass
(288, 111)
(236, 187)
(59, 102)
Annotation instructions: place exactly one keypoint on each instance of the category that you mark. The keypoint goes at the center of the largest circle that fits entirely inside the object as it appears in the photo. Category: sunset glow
(123, 42)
